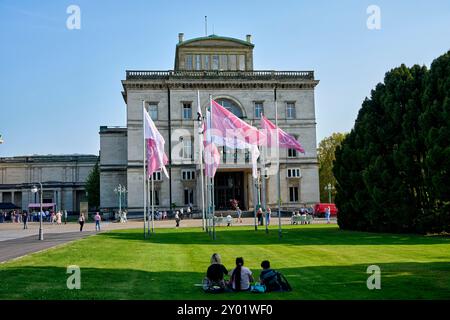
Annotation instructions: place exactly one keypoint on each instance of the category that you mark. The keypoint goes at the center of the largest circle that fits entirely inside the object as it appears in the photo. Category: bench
(301, 219)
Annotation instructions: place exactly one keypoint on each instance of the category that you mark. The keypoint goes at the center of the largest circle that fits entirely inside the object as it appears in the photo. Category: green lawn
(320, 262)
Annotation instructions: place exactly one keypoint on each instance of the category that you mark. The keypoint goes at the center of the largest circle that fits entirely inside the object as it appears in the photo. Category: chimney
(249, 38)
(180, 37)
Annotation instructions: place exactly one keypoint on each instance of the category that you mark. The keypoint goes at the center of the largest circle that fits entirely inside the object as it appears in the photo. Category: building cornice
(197, 80)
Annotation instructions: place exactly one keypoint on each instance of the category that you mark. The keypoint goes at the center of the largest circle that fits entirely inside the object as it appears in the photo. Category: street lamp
(329, 188)
(120, 190)
(34, 189)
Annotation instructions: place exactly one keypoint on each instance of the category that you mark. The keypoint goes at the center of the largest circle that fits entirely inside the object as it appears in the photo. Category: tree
(326, 150)
(392, 170)
(93, 186)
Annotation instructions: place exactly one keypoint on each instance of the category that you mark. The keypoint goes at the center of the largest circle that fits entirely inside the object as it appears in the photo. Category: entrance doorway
(227, 186)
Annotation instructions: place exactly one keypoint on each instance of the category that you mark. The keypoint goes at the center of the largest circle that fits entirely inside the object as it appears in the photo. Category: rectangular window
(206, 62)
(241, 62)
(293, 173)
(232, 62)
(188, 174)
(223, 62)
(215, 62)
(156, 197)
(188, 62)
(293, 194)
(187, 148)
(157, 176)
(187, 111)
(188, 196)
(153, 110)
(290, 110)
(259, 110)
(198, 62)
(292, 153)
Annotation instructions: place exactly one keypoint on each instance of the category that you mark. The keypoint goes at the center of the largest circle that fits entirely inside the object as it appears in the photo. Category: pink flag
(156, 158)
(211, 153)
(284, 140)
(227, 128)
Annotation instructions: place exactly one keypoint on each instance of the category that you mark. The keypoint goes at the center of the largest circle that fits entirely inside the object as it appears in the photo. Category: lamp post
(329, 188)
(120, 190)
(34, 189)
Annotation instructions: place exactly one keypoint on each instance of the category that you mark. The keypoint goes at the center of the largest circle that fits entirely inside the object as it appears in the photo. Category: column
(12, 196)
(1, 196)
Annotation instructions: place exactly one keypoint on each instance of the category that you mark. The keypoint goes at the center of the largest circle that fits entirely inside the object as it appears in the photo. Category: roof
(216, 37)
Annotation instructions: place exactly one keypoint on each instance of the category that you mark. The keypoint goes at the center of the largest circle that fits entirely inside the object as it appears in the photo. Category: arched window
(231, 106)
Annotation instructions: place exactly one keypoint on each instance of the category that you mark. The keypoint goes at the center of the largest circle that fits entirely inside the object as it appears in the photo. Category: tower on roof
(214, 53)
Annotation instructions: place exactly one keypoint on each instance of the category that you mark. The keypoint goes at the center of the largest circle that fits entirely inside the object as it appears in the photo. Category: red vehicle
(319, 209)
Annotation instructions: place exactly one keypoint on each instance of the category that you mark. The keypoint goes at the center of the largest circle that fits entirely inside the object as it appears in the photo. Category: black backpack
(275, 281)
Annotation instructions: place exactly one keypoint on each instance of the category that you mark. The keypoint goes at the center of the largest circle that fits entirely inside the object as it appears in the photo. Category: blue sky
(58, 85)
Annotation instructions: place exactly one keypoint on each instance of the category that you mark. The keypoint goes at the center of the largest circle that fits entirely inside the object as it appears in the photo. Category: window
(241, 62)
(215, 62)
(205, 62)
(223, 62)
(292, 153)
(188, 174)
(188, 62)
(188, 196)
(187, 148)
(293, 173)
(230, 106)
(157, 176)
(293, 194)
(156, 197)
(187, 110)
(198, 62)
(153, 110)
(232, 62)
(259, 110)
(290, 110)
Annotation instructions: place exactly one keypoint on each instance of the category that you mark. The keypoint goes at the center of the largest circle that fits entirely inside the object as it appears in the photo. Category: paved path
(16, 242)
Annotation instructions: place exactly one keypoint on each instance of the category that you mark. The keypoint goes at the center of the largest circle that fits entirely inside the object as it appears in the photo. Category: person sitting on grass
(214, 281)
(241, 277)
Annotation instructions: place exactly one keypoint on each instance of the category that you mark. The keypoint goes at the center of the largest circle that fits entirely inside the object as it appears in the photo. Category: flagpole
(143, 165)
(212, 178)
(201, 159)
(153, 205)
(278, 164)
(263, 183)
(148, 206)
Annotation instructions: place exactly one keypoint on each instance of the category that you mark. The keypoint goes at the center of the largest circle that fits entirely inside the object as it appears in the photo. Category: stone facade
(63, 179)
(171, 98)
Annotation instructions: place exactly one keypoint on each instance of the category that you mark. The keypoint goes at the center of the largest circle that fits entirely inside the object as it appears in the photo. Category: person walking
(268, 213)
(328, 214)
(97, 219)
(177, 219)
(239, 214)
(81, 221)
(58, 218)
(65, 216)
(25, 220)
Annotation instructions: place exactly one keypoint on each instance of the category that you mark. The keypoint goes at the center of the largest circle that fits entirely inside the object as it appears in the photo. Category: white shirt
(245, 278)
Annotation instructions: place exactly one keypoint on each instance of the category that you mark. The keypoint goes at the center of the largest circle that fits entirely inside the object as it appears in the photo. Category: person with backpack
(272, 279)
(241, 277)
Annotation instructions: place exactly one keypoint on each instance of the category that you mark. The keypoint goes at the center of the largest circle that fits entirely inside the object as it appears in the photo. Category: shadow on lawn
(302, 235)
(399, 281)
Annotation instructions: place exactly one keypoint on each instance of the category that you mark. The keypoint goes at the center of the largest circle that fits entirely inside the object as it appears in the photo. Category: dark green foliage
(392, 170)
(93, 187)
